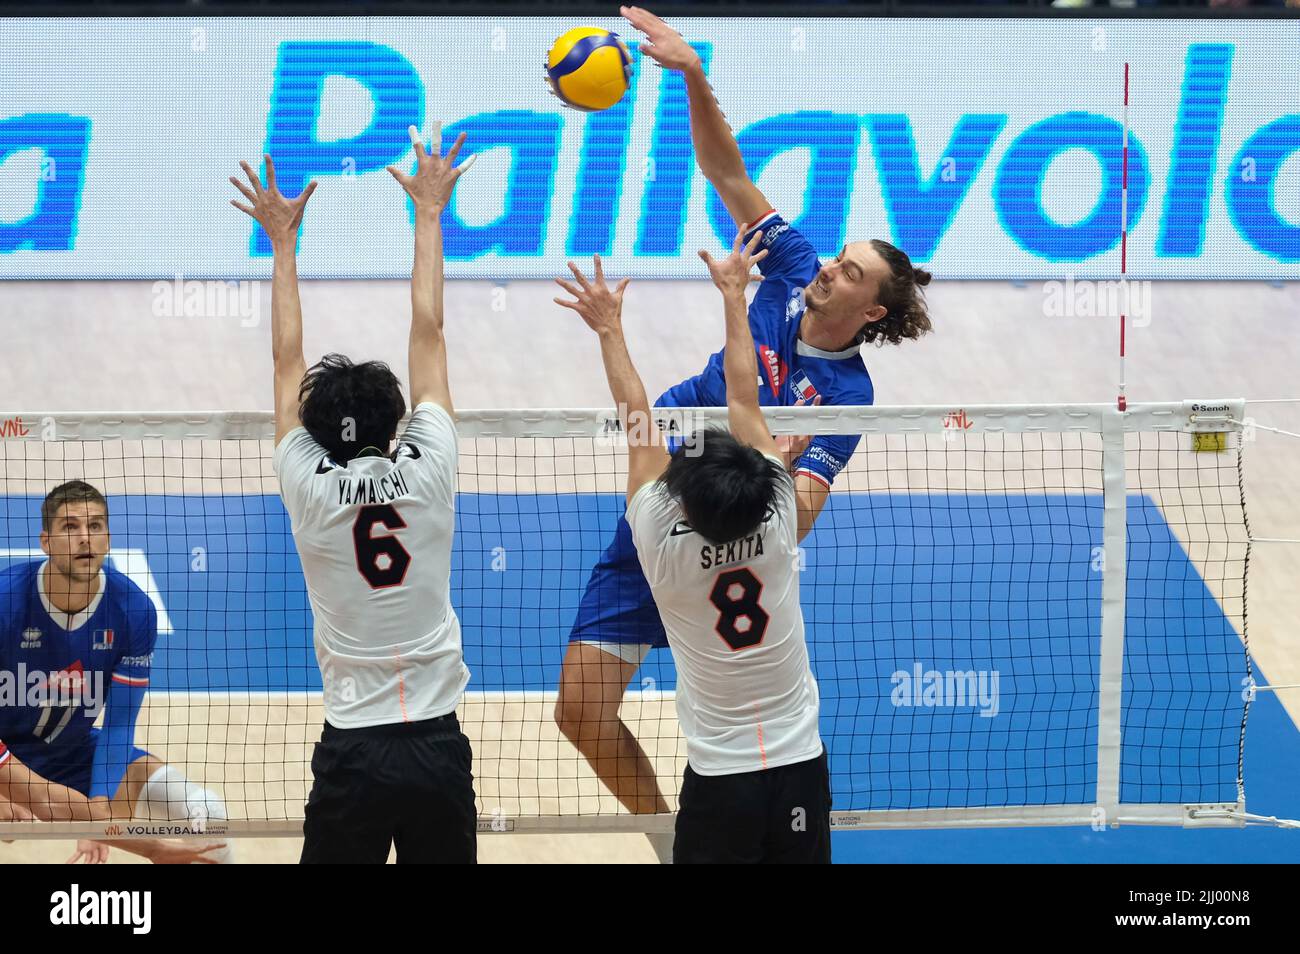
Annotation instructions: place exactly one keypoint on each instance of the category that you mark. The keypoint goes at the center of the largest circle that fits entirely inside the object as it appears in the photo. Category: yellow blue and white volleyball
(589, 68)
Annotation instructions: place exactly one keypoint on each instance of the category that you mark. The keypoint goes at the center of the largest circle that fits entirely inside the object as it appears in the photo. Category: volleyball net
(1016, 615)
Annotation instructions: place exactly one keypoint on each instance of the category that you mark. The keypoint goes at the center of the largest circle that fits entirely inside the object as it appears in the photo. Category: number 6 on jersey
(382, 560)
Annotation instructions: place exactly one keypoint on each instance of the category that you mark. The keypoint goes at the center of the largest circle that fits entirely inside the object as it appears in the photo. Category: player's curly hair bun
(906, 315)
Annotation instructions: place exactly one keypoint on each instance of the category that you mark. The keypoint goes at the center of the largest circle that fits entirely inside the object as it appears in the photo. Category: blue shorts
(69, 763)
(617, 606)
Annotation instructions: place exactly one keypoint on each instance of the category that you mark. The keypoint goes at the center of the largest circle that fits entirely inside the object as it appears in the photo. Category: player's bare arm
(716, 149)
(602, 309)
(48, 800)
(810, 494)
(430, 191)
(742, 375)
(810, 498)
(280, 217)
(740, 367)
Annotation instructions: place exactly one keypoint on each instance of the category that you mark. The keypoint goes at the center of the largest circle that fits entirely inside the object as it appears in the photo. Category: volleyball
(589, 68)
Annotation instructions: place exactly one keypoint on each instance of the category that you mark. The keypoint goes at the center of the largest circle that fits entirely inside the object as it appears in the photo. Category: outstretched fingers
(244, 190)
(252, 177)
(650, 50)
(417, 141)
(455, 148)
(306, 194)
(643, 20)
(582, 279)
(464, 166)
(569, 287)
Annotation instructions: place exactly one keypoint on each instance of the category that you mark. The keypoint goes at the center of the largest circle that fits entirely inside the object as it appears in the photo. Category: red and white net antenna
(1123, 248)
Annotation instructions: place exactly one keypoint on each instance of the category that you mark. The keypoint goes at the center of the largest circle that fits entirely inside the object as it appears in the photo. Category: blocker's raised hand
(599, 307)
(435, 176)
(279, 216)
(731, 275)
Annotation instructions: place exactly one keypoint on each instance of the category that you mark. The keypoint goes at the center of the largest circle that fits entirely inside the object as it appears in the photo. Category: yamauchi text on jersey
(370, 490)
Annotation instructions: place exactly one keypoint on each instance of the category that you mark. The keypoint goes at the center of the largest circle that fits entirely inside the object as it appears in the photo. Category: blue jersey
(59, 672)
(789, 369)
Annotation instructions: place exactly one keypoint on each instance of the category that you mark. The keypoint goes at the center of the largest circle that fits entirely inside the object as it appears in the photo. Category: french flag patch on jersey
(803, 388)
(103, 639)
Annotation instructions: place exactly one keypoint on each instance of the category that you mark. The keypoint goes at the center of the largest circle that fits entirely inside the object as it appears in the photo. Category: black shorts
(409, 783)
(776, 816)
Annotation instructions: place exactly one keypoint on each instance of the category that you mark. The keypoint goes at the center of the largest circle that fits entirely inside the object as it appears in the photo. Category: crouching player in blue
(77, 639)
(809, 321)
(24, 795)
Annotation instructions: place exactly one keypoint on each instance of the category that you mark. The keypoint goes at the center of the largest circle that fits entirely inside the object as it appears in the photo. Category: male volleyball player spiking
(716, 531)
(74, 623)
(374, 533)
(809, 322)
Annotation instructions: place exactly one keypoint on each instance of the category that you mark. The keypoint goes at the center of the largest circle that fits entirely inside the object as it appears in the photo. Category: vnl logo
(921, 204)
(77, 907)
(13, 427)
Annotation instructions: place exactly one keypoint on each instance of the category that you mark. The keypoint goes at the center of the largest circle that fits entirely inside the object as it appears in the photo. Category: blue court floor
(1272, 788)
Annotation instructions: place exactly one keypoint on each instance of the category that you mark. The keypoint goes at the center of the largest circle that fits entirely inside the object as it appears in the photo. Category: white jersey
(375, 542)
(746, 696)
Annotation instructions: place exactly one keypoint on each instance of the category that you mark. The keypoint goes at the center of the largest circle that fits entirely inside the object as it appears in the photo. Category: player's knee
(569, 712)
(169, 796)
(584, 720)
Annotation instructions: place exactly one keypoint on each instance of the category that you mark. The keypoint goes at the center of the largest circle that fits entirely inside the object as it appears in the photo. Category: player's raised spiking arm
(716, 149)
